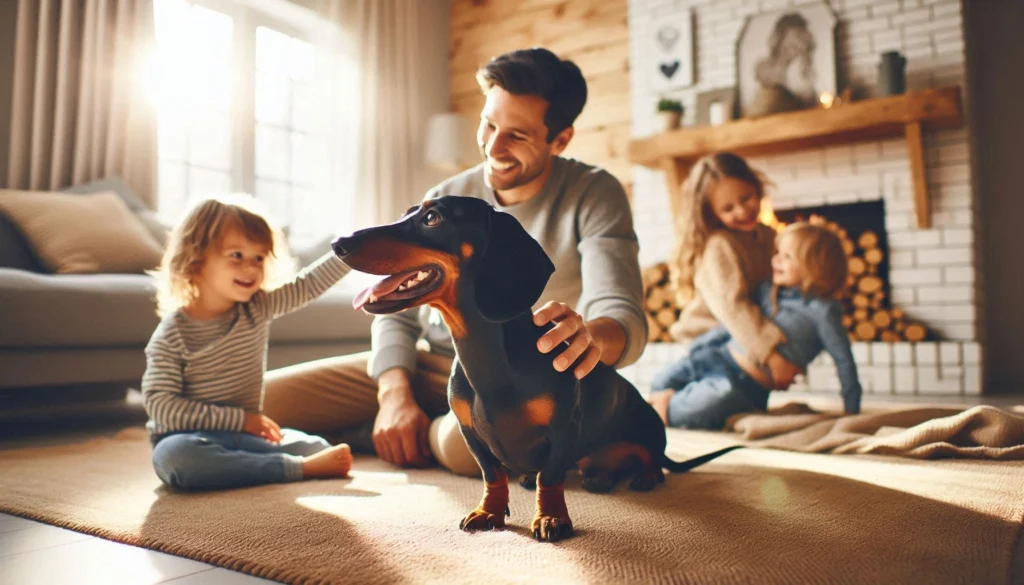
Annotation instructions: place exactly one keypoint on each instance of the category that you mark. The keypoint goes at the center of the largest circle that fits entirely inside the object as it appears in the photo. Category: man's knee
(449, 447)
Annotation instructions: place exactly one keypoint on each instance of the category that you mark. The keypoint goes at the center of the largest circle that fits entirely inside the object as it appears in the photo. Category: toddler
(719, 378)
(203, 385)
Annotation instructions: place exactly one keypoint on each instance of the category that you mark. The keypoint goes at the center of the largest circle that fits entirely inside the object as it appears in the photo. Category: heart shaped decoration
(669, 69)
(667, 37)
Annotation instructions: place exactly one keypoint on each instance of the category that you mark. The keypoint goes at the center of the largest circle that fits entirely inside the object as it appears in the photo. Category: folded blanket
(981, 432)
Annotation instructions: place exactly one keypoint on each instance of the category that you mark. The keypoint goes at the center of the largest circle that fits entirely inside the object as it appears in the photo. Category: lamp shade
(450, 142)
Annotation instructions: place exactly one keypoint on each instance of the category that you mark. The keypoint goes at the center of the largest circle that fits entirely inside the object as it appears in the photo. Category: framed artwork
(670, 42)
(716, 106)
(786, 59)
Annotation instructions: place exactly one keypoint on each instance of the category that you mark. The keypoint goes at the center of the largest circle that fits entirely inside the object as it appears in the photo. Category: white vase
(669, 120)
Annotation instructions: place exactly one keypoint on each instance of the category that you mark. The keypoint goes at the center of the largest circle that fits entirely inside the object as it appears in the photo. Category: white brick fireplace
(932, 272)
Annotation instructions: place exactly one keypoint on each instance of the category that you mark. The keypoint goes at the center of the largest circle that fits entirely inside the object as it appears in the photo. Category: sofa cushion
(15, 251)
(74, 234)
(156, 228)
(76, 310)
(119, 310)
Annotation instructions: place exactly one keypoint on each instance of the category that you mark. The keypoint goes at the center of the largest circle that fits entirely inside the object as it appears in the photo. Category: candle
(716, 113)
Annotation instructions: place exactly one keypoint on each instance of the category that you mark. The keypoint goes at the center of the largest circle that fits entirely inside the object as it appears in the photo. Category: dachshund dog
(483, 272)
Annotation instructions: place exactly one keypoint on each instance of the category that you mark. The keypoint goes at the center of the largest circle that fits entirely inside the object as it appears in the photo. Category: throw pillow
(82, 234)
(156, 228)
(15, 252)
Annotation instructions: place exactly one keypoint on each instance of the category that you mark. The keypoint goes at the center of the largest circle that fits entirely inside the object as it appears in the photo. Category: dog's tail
(683, 466)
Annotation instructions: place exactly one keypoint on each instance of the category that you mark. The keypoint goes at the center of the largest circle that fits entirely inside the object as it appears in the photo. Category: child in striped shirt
(203, 386)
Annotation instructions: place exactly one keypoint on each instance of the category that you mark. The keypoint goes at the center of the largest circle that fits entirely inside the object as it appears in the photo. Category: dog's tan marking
(491, 511)
(551, 501)
(447, 299)
(383, 255)
(551, 513)
(463, 412)
(615, 456)
(452, 317)
(538, 411)
(467, 250)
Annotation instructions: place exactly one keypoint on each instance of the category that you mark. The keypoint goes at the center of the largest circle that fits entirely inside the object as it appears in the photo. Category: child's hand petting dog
(262, 425)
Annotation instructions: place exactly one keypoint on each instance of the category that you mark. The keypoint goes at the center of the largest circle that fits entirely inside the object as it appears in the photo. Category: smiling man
(581, 217)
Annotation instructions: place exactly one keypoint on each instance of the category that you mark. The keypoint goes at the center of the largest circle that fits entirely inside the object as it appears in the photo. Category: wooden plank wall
(594, 34)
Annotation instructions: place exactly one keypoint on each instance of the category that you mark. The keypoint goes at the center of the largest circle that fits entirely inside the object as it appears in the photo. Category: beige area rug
(753, 516)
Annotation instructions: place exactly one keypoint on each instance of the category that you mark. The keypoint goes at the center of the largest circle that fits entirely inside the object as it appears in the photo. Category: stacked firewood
(659, 302)
(866, 314)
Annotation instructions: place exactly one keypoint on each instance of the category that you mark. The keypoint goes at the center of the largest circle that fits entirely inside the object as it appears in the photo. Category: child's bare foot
(659, 400)
(334, 461)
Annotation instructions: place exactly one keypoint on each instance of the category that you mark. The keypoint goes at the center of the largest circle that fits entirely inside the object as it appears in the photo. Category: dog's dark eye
(431, 218)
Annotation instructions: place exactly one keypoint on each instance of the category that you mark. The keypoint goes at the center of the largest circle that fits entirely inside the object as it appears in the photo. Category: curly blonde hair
(697, 221)
(200, 232)
(821, 257)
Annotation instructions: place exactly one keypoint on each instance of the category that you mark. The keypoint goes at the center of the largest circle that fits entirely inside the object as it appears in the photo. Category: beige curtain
(79, 111)
(391, 75)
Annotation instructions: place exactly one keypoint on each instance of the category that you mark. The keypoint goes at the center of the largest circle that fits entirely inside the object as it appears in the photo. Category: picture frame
(671, 42)
(716, 106)
(785, 59)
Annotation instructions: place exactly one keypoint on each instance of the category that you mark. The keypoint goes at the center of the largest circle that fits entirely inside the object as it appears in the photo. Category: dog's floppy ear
(512, 272)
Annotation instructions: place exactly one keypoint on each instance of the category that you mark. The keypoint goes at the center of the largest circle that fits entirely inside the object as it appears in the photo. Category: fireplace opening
(861, 226)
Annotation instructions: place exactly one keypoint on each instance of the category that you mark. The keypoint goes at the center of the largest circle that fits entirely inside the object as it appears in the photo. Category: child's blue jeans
(711, 387)
(220, 460)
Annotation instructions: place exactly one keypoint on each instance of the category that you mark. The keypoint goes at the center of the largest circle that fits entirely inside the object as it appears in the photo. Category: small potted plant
(670, 112)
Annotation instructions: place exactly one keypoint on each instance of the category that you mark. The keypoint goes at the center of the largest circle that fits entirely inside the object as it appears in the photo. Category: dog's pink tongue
(384, 286)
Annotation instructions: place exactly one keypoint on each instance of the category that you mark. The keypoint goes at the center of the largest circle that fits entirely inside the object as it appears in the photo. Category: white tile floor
(32, 553)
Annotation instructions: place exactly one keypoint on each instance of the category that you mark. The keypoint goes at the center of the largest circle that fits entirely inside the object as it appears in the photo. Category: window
(235, 110)
(283, 169)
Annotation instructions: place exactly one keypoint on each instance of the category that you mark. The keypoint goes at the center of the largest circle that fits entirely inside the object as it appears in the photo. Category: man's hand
(400, 429)
(569, 327)
(262, 425)
(783, 371)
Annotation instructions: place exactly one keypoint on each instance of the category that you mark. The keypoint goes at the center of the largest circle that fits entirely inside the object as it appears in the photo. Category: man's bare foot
(334, 461)
(659, 400)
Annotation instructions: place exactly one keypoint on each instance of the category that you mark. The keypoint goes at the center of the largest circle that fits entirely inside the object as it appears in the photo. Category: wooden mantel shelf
(904, 115)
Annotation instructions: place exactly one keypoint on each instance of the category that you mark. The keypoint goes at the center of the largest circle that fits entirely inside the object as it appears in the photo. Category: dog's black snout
(341, 247)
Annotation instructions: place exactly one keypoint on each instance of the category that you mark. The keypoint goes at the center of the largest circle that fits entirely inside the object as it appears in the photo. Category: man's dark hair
(539, 72)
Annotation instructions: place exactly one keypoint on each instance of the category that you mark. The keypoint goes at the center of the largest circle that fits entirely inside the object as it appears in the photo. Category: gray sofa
(80, 329)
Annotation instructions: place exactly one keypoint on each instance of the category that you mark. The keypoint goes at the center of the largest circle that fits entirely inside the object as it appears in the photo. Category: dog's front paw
(550, 528)
(480, 519)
